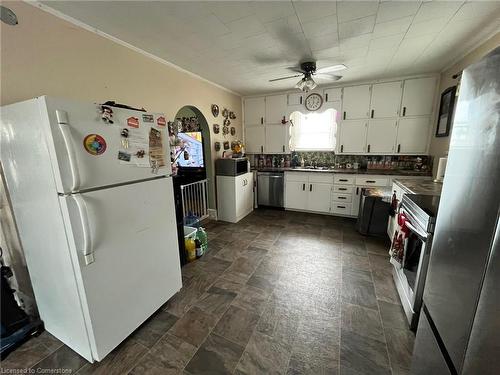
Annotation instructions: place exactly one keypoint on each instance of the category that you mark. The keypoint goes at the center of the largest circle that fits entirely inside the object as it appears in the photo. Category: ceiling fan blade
(330, 69)
(330, 77)
(295, 69)
(279, 79)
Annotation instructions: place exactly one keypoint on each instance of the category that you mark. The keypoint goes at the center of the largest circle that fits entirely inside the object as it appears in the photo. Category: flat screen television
(189, 152)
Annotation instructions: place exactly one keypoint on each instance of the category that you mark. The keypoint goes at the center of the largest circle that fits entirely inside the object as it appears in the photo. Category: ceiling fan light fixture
(306, 84)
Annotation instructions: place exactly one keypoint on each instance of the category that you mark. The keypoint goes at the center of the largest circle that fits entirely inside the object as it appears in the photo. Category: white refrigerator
(93, 203)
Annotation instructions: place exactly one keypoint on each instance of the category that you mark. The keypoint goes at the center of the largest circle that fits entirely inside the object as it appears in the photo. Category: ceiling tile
(245, 27)
(310, 11)
(477, 9)
(354, 53)
(386, 42)
(322, 42)
(322, 26)
(356, 42)
(284, 26)
(228, 11)
(437, 9)
(327, 53)
(357, 27)
(273, 10)
(352, 10)
(432, 26)
(398, 26)
(392, 10)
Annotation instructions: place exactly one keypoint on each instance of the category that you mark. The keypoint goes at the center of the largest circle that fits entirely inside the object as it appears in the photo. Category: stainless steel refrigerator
(459, 330)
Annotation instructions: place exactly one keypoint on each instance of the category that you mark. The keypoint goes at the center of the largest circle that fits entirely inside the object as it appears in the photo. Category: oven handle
(423, 236)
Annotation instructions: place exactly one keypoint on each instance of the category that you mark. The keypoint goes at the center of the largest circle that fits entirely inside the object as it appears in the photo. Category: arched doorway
(190, 111)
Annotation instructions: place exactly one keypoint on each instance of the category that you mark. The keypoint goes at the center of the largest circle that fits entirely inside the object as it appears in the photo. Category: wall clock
(313, 102)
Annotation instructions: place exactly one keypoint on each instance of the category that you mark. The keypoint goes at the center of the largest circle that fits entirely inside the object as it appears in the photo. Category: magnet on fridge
(124, 156)
(94, 144)
(106, 114)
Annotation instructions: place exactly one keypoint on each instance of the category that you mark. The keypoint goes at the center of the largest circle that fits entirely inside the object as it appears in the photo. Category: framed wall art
(446, 106)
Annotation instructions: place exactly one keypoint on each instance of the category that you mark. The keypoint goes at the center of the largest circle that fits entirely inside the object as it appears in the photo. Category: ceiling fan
(308, 70)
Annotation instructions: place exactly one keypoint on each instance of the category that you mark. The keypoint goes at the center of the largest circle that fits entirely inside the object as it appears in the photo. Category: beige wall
(45, 55)
(439, 146)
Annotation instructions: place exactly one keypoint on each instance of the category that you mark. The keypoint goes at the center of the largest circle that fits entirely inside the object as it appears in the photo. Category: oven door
(410, 278)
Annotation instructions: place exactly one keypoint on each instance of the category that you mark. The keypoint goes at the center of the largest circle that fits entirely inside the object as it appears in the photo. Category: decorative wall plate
(226, 145)
(215, 110)
(217, 146)
(225, 113)
(232, 115)
(225, 130)
(216, 128)
(227, 122)
(233, 130)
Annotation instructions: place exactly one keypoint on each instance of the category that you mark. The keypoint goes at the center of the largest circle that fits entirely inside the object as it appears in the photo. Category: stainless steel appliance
(270, 189)
(231, 166)
(458, 332)
(421, 211)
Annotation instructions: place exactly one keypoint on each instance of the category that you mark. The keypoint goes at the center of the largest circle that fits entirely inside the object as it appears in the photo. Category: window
(314, 131)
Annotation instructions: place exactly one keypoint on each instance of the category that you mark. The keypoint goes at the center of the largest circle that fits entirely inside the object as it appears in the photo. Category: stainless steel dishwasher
(270, 189)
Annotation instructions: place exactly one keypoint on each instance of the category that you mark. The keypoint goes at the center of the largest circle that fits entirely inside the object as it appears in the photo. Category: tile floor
(278, 293)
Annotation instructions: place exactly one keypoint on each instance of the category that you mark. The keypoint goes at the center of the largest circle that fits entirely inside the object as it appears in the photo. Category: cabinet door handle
(310, 187)
(283, 148)
(399, 148)
(344, 115)
(343, 189)
(261, 149)
(342, 180)
(368, 148)
(357, 191)
(326, 97)
(340, 206)
(341, 197)
(262, 120)
(404, 111)
(341, 148)
(370, 181)
(303, 187)
(373, 112)
(301, 99)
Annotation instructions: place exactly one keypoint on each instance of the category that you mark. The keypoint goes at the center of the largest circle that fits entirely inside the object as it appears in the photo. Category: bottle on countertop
(302, 162)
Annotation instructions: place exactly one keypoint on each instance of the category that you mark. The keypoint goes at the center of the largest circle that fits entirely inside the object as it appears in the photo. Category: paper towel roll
(441, 169)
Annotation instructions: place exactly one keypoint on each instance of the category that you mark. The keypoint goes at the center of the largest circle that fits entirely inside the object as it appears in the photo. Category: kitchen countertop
(390, 172)
(425, 187)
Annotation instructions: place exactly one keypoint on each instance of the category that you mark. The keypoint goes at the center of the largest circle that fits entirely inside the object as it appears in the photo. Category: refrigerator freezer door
(136, 268)
(85, 150)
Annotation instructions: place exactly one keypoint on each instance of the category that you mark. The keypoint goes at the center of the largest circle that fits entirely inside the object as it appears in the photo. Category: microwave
(231, 166)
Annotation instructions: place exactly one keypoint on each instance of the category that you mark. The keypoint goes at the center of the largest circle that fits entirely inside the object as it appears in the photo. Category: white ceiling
(241, 45)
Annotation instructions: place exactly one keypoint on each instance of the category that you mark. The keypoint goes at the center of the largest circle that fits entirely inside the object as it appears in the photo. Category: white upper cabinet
(418, 96)
(255, 139)
(295, 99)
(386, 99)
(352, 137)
(332, 95)
(356, 102)
(277, 139)
(255, 110)
(276, 108)
(381, 136)
(413, 134)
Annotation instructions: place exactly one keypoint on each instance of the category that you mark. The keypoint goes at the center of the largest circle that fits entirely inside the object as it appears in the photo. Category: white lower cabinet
(319, 197)
(296, 195)
(308, 191)
(234, 197)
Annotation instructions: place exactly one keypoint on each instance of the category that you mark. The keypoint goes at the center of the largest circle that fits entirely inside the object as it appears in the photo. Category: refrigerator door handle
(62, 120)
(88, 251)
(423, 236)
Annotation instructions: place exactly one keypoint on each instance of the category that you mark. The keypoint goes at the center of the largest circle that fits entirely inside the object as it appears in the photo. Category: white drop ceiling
(241, 45)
